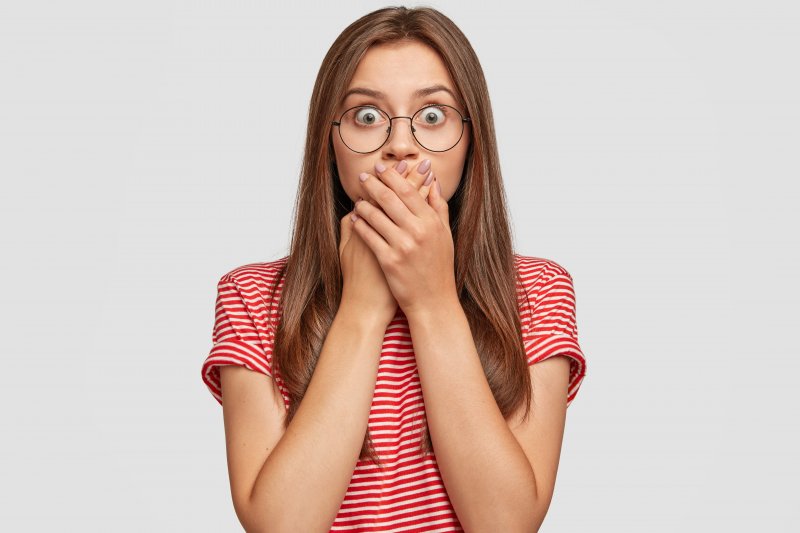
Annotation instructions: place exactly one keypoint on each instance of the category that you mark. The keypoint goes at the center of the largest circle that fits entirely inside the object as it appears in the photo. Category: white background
(650, 148)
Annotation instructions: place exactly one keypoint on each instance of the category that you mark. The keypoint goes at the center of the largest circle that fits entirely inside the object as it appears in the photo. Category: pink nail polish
(379, 167)
(429, 179)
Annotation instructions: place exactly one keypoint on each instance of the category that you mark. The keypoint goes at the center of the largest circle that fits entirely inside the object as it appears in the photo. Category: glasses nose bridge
(391, 125)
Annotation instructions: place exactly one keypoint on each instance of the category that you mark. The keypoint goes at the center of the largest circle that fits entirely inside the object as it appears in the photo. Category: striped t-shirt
(409, 494)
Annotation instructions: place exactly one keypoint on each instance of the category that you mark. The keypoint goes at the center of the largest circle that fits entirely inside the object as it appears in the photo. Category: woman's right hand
(364, 284)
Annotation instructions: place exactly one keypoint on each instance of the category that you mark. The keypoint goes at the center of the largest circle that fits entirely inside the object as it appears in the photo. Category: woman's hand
(364, 283)
(410, 238)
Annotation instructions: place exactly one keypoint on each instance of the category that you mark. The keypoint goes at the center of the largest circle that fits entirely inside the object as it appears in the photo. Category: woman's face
(398, 70)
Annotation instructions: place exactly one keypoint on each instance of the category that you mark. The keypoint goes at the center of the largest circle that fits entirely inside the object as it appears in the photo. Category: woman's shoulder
(263, 274)
(536, 275)
(532, 268)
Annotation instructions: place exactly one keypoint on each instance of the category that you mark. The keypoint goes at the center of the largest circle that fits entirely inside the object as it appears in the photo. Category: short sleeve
(240, 335)
(552, 329)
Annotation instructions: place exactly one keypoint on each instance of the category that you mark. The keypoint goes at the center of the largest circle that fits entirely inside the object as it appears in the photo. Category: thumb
(438, 202)
(345, 230)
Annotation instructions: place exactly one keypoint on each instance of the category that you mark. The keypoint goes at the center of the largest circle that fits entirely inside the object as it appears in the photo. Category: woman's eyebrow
(425, 91)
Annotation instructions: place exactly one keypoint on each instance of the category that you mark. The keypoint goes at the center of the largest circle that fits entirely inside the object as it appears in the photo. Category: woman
(332, 416)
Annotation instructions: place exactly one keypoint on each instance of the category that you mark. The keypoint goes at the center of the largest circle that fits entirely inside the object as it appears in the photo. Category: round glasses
(436, 127)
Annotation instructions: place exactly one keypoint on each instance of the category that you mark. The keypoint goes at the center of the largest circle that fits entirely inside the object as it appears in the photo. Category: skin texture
(397, 70)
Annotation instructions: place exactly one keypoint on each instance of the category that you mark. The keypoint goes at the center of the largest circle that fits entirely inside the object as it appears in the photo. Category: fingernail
(424, 166)
(401, 166)
(353, 217)
(363, 176)
(438, 188)
(379, 167)
(429, 179)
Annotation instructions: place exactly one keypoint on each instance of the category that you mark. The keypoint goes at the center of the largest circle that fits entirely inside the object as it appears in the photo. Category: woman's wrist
(360, 314)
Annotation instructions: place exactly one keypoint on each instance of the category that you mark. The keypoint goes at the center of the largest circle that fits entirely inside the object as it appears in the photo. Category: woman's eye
(432, 115)
(368, 116)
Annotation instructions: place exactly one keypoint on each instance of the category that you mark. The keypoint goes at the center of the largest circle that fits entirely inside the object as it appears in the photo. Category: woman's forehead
(402, 74)
(404, 59)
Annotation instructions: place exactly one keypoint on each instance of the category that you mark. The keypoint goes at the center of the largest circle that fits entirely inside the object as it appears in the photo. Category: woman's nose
(401, 142)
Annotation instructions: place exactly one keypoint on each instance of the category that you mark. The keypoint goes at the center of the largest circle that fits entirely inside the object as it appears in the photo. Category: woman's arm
(302, 483)
(485, 470)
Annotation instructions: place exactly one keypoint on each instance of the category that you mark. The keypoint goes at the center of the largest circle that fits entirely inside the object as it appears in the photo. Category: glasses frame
(338, 124)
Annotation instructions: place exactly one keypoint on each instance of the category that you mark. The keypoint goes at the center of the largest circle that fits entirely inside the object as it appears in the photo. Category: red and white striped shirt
(409, 494)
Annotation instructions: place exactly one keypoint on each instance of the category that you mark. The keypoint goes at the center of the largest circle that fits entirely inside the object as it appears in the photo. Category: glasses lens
(364, 129)
(436, 127)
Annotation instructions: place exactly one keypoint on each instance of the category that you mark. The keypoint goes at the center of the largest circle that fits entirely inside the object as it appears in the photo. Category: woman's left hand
(411, 239)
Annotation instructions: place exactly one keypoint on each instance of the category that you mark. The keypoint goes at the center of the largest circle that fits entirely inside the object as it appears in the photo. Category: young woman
(380, 376)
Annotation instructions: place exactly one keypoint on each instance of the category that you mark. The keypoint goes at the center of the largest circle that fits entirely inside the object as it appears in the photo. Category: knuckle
(406, 189)
(417, 234)
(384, 195)
(391, 264)
(406, 247)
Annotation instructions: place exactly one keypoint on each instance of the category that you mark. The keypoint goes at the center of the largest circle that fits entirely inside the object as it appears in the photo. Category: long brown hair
(485, 272)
